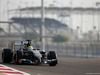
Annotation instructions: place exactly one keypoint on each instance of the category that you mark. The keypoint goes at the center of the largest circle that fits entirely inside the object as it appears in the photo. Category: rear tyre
(18, 57)
(52, 55)
(6, 55)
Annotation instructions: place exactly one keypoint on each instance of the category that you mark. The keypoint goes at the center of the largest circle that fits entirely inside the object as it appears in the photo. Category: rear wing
(19, 43)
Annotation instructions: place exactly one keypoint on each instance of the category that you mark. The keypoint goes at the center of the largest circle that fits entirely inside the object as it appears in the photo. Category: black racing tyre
(6, 55)
(18, 56)
(36, 61)
(52, 64)
(52, 55)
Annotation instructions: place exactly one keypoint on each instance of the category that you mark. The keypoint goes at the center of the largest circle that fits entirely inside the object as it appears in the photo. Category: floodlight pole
(0, 12)
(71, 19)
(42, 26)
(8, 18)
(97, 4)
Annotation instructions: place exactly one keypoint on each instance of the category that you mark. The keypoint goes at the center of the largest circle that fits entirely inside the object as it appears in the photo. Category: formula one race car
(19, 54)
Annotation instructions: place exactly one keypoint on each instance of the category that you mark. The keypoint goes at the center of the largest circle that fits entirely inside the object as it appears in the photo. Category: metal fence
(84, 50)
(76, 49)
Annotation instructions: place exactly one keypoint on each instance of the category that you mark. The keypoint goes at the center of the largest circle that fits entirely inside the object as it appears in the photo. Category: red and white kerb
(5, 70)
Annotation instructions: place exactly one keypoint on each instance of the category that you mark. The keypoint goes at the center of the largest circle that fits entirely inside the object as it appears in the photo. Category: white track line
(10, 71)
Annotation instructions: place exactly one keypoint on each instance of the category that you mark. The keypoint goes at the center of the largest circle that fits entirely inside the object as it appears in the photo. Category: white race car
(19, 55)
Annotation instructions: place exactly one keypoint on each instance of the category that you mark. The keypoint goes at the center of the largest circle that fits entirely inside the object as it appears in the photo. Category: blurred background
(69, 27)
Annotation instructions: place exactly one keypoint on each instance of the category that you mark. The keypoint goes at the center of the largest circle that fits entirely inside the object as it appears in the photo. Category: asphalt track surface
(65, 66)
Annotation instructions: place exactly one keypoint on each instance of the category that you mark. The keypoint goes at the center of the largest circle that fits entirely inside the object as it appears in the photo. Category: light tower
(42, 26)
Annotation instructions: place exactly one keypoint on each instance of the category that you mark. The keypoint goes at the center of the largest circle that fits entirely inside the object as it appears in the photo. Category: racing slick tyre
(52, 55)
(36, 61)
(6, 55)
(18, 57)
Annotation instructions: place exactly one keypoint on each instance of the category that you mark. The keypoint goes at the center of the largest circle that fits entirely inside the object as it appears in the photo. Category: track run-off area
(65, 66)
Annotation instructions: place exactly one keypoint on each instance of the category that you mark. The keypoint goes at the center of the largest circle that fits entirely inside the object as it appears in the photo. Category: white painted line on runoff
(10, 71)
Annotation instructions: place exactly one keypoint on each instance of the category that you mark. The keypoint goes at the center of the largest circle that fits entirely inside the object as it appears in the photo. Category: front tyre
(52, 58)
(36, 61)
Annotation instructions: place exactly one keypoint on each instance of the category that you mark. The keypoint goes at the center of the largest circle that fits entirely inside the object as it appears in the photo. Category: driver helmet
(30, 48)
